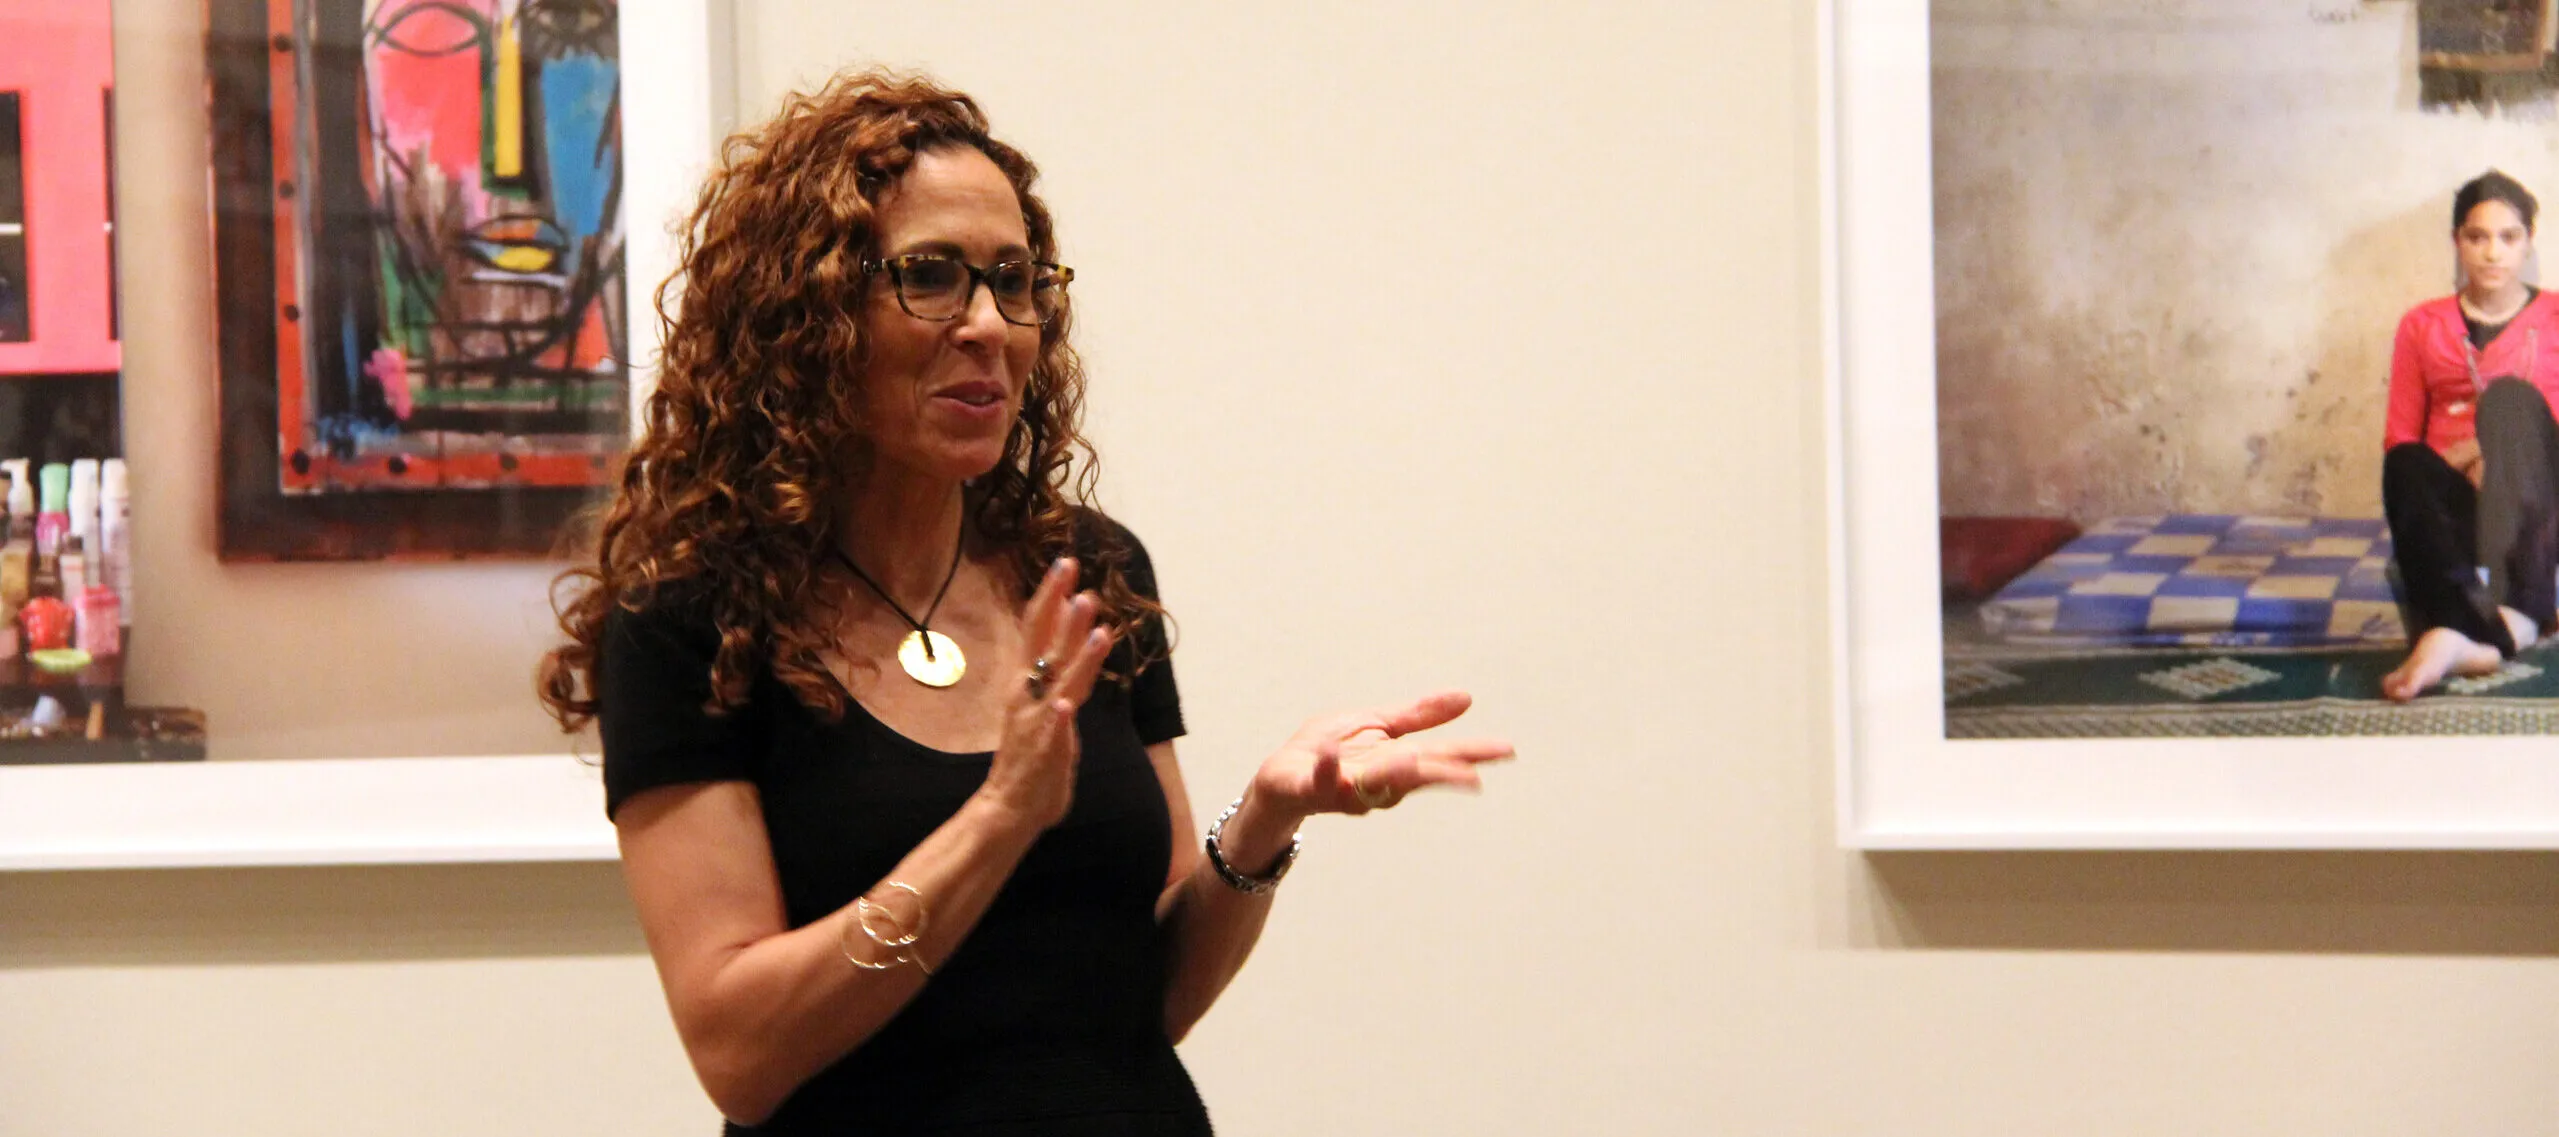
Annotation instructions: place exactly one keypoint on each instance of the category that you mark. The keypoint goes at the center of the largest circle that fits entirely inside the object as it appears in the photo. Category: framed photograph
(383, 810)
(2117, 337)
(419, 234)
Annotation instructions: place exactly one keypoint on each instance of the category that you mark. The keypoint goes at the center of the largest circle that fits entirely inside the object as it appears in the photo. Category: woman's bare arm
(762, 1007)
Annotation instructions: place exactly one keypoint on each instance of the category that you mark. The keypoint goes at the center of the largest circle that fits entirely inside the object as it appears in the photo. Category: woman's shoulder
(1098, 534)
(679, 614)
(2542, 308)
(2441, 309)
(1102, 542)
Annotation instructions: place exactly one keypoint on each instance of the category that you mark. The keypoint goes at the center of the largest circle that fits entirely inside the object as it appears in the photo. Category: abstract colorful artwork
(450, 303)
(444, 322)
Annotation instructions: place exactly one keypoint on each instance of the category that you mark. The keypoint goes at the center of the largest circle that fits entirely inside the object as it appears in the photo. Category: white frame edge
(1874, 116)
(1826, 113)
(409, 810)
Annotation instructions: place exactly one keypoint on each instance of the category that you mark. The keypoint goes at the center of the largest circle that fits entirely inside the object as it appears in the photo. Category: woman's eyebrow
(949, 248)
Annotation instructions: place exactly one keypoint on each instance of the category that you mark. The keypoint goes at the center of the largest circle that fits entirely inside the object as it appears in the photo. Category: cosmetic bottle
(96, 625)
(115, 536)
(84, 526)
(73, 565)
(47, 620)
(22, 500)
(17, 553)
(13, 570)
(53, 523)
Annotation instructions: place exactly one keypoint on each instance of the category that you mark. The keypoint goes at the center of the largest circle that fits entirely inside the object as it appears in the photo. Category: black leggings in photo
(2444, 529)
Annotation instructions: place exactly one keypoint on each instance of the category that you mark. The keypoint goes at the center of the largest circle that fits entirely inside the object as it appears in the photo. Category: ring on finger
(1374, 799)
(1037, 681)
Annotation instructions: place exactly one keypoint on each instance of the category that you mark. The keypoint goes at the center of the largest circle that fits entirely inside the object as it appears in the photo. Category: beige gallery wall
(1431, 345)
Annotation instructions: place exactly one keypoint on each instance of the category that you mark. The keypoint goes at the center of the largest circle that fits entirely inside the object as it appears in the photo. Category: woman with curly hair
(887, 710)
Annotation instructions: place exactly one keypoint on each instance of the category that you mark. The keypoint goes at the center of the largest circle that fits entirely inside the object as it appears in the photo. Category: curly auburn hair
(752, 433)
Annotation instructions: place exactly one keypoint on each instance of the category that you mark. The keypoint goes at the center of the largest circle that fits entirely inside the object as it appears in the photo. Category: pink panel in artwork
(424, 56)
(61, 53)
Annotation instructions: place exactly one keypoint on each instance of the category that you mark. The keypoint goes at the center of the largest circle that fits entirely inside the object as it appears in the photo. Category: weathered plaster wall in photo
(2174, 240)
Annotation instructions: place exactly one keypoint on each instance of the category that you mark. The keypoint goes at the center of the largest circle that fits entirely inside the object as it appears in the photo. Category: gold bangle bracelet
(901, 945)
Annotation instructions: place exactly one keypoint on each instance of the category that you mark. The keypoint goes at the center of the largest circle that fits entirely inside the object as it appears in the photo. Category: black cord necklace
(929, 657)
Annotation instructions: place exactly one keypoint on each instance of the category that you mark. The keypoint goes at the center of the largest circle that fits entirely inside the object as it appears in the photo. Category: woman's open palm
(1355, 761)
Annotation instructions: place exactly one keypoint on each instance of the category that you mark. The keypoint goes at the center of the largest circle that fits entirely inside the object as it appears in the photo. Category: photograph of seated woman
(887, 709)
(2471, 477)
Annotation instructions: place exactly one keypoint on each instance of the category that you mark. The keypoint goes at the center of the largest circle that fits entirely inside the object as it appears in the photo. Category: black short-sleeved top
(1049, 1017)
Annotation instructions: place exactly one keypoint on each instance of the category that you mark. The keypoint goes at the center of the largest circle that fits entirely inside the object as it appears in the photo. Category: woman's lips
(972, 400)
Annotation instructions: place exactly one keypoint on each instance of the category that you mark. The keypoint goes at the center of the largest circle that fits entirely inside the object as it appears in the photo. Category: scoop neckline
(898, 736)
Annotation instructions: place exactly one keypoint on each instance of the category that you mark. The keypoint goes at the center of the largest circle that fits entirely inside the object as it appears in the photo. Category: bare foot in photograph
(2441, 652)
(2520, 628)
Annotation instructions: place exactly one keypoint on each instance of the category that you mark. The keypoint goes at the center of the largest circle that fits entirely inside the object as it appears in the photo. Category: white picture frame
(1900, 783)
(408, 810)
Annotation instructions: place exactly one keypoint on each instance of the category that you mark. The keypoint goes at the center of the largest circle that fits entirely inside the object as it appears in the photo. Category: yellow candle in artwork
(506, 145)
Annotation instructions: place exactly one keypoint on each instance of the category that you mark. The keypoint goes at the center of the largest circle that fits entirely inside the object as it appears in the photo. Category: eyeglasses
(935, 287)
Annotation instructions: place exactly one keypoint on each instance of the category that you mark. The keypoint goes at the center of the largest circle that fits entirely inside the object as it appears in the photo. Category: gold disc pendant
(941, 669)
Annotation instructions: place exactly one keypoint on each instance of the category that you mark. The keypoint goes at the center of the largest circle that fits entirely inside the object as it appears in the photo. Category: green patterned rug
(2006, 691)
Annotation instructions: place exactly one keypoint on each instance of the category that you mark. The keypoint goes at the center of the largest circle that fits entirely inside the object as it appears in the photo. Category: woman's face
(941, 395)
(2494, 245)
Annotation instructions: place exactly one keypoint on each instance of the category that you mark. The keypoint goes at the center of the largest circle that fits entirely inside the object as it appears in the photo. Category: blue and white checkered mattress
(2207, 580)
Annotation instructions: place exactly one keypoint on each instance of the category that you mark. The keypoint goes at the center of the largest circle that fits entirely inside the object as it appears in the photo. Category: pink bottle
(100, 624)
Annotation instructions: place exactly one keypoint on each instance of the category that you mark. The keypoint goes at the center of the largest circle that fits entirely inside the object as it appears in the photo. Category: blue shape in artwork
(353, 365)
(581, 156)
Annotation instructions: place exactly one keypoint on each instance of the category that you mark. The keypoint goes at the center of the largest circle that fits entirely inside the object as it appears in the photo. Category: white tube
(115, 536)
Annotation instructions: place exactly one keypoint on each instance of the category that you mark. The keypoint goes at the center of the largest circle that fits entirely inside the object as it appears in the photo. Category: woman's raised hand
(1033, 772)
(1357, 761)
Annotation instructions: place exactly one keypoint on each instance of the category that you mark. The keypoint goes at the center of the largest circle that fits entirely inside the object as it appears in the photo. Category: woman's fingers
(1328, 765)
(1053, 627)
(1075, 682)
(1426, 712)
(1049, 607)
(1384, 777)
(1467, 750)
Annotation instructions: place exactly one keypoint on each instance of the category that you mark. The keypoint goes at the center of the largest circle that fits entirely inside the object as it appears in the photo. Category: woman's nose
(980, 319)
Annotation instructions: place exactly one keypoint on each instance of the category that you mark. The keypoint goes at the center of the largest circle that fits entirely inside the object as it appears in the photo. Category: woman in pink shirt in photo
(2471, 479)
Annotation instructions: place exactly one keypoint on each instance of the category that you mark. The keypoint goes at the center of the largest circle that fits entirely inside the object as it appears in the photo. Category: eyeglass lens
(939, 288)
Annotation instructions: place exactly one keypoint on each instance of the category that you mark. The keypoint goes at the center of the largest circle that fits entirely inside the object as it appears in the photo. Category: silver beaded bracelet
(1249, 885)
